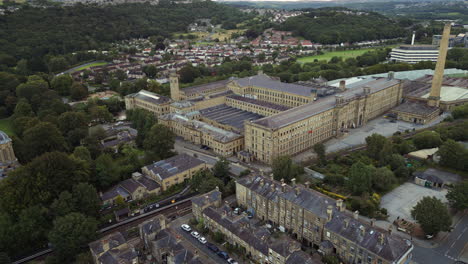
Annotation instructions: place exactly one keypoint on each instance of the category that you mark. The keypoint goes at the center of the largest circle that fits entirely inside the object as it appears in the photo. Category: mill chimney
(434, 96)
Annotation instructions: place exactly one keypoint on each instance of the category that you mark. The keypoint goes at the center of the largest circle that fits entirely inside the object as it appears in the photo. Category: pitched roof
(164, 169)
(150, 97)
(268, 82)
(207, 198)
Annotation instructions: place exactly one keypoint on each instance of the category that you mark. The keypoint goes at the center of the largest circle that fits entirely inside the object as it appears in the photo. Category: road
(450, 249)
(182, 146)
(77, 67)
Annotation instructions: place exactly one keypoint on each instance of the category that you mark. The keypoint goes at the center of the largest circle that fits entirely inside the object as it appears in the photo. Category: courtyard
(401, 200)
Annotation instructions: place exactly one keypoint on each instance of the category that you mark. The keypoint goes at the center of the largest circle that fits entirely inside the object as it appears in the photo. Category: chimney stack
(307, 184)
(356, 215)
(297, 190)
(346, 223)
(390, 230)
(390, 75)
(434, 96)
(382, 239)
(339, 205)
(272, 177)
(412, 39)
(362, 230)
(329, 212)
(372, 222)
(293, 181)
(342, 85)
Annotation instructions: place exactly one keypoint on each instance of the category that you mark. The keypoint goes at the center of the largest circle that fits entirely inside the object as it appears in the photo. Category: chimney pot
(307, 184)
(330, 212)
(293, 181)
(339, 205)
(356, 214)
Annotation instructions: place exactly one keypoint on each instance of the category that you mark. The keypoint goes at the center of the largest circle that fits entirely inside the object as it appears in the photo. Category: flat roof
(451, 93)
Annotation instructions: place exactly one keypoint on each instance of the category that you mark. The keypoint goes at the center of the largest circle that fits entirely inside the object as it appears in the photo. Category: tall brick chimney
(434, 96)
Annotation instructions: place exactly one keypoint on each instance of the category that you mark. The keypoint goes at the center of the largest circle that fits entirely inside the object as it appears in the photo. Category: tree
(150, 71)
(386, 153)
(188, 74)
(427, 139)
(107, 171)
(203, 181)
(63, 205)
(319, 149)
(284, 168)
(86, 199)
(460, 111)
(100, 114)
(43, 137)
(453, 155)
(82, 153)
(62, 84)
(432, 215)
(221, 169)
(458, 196)
(159, 141)
(70, 233)
(69, 121)
(56, 64)
(375, 144)
(23, 109)
(78, 91)
(360, 178)
(383, 179)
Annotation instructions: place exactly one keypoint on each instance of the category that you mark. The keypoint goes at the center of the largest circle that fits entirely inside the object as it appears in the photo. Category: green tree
(432, 215)
(107, 171)
(63, 205)
(375, 144)
(43, 137)
(427, 139)
(204, 181)
(460, 111)
(221, 169)
(360, 178)
(320, 150)
(150, 71)
(23, 109)
(284, 168)
(71, 233)
(82, 153)
(100, 114)
(458, 196)
(453, 155)
(62, 84)
(188, 74)
(159, 141)
(31, 227)
(383, 179)
(56, 64)
(86, 199)
(69, 121)
(78, 91)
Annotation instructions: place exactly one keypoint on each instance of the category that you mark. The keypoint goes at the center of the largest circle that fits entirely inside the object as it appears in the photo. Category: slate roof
(4, 138)
(323, 104)
(265, 81)
(259, 102)
(308, 199)
(438, 176)
(164, 169)
(368, 237)
(151, 226)
(415, 107)
(227, 115)
(114, 192)
(148, 183)
(130, 185)
(115, 239)
(150, 97)
(300, 257)
(207, 198)
(203, 88)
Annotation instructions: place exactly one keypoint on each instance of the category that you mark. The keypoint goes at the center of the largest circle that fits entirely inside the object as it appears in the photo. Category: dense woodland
(332, 26)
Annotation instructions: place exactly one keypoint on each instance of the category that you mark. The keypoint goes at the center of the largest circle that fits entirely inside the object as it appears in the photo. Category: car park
(195, 234)
(202, 240)
(212, 247)
(186, 227)
(223, 255)
(232, 261)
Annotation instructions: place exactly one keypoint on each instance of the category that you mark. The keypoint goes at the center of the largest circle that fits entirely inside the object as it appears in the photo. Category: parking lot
(401, 200)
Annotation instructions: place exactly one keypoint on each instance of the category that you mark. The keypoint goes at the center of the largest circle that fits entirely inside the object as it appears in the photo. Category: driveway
(401, 200)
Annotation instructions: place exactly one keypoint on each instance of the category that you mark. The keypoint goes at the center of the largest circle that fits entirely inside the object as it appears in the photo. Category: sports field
(6, 126)
(328, 55)
(90, 65)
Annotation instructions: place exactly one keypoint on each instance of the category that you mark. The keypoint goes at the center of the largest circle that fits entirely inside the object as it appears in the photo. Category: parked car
(202, 240)
(186, 227)
(212, 247)
(223, 255)
(195, 234)
(232, 261)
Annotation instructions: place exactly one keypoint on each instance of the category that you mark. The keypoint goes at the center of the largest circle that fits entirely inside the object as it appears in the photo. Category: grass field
(6, 126)
(328, 55)
(91, 65)
(458, 75)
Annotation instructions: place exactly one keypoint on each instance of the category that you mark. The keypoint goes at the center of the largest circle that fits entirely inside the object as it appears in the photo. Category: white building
(414, 53)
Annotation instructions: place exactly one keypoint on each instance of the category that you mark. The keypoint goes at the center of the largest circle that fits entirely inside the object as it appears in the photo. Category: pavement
(182, 146)
(401, 200)
(357, 136)
(191, 242)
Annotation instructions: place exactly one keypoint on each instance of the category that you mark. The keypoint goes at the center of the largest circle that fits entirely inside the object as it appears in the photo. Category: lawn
(328, 55)
(6, 126)
(91, 65)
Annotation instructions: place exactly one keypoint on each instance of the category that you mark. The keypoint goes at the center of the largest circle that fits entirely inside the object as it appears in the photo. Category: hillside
(337, 25)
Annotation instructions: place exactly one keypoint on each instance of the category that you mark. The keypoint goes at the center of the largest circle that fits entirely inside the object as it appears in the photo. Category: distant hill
(338, 25)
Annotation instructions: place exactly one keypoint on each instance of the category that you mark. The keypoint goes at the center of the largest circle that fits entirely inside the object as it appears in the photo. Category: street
(182, 146)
